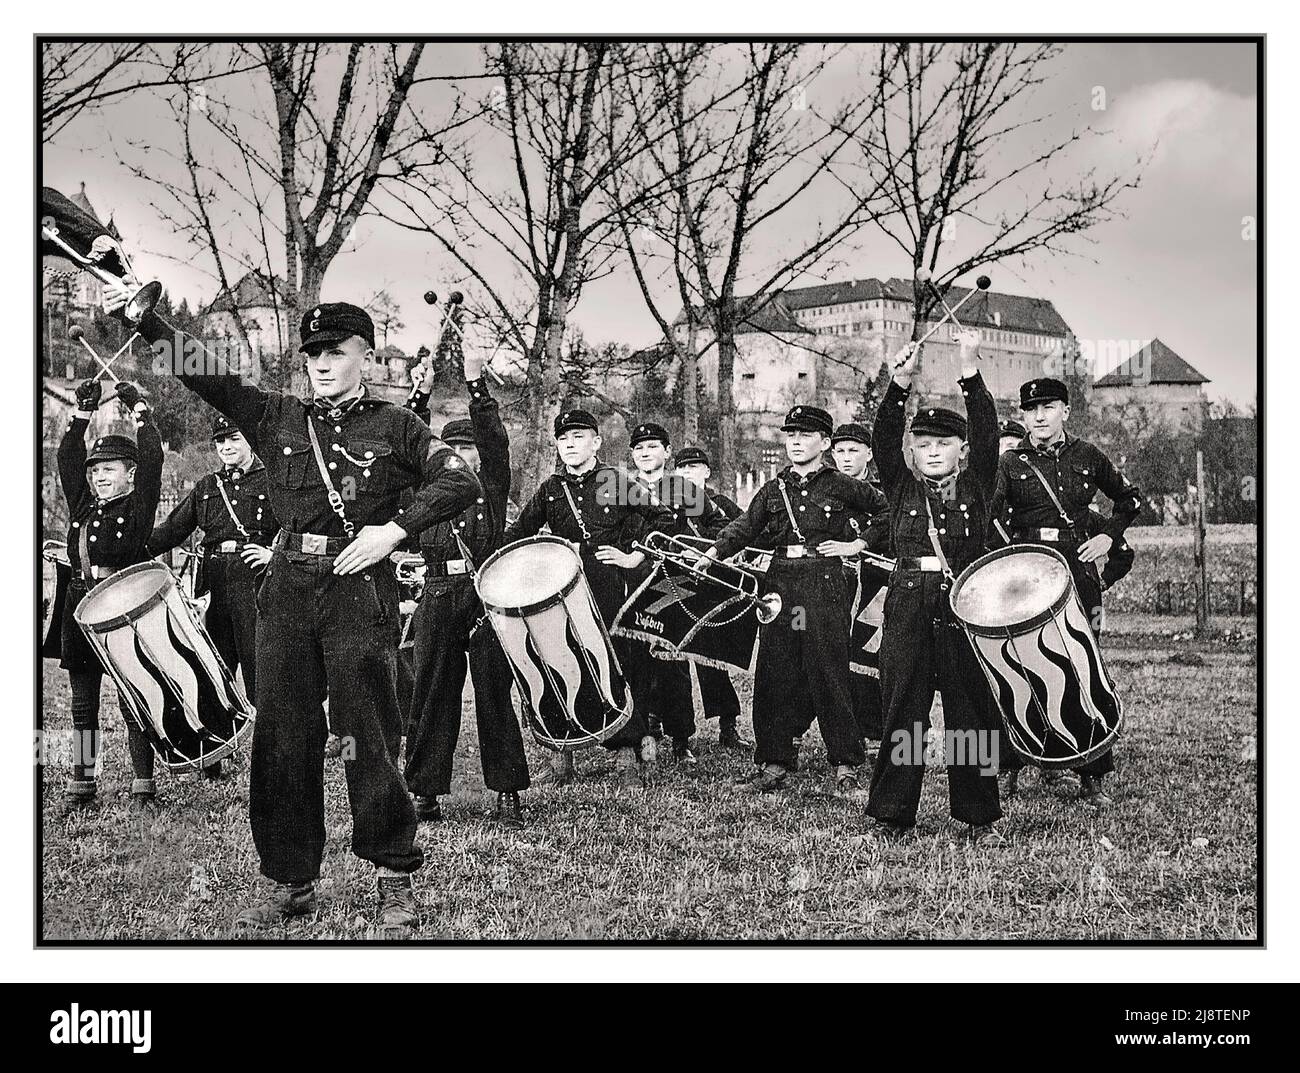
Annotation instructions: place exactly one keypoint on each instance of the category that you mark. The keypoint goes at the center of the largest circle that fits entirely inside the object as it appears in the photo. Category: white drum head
(1012, 588)
(123, 593)
(528, 573)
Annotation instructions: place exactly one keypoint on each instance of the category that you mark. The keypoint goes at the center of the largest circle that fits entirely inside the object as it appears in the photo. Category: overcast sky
(1176, 267)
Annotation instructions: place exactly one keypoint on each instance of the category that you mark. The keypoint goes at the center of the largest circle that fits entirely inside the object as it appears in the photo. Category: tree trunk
(726, 405)
(690, 381)
(307, 296)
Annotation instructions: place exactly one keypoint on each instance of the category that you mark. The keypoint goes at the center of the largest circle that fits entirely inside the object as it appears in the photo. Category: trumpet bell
(143, 301)
(768, 607)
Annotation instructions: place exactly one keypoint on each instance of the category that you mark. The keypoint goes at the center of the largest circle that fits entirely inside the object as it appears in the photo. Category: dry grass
(692, 859)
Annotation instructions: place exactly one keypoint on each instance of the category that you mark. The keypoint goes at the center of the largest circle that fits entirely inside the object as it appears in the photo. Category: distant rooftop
(1155, 363)
(254, 291)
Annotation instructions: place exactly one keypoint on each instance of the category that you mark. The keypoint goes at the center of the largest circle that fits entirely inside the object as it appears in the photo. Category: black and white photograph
(639, 489)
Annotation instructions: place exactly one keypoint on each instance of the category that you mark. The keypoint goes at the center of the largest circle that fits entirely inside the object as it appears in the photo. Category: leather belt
(97, 573)
(796, 551)
(446, 568)
(224, 548)
(309, 543)
(927, 564)
(1053, 536)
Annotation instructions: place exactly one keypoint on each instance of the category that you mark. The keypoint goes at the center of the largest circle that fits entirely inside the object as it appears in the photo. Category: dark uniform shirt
(481, 525)
(692, 511)
(822, 502)
(118, 528)
(960, 506)
(374, 450)
(610, 512)
(1076, 471)
(205, 509)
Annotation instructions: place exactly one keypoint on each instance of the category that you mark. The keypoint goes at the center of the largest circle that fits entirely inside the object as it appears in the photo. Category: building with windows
(1155, 380)
(825, 343)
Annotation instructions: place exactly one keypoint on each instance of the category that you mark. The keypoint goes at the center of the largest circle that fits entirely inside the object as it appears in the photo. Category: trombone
(686, 551)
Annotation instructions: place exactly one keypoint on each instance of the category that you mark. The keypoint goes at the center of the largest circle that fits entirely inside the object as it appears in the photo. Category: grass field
(692, 859)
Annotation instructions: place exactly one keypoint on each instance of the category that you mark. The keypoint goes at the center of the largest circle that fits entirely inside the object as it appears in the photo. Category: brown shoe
(427, 809)
(1091, 792)
(764, 780)
(285, 900)
(508, 812)
(396, 902)
(846, 783)
(888, 831)
(729, 738)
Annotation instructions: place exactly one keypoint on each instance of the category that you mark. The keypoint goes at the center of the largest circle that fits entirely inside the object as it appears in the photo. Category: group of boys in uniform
(305, 600)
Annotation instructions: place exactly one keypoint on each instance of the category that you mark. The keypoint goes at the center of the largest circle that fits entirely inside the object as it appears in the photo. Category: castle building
(1155, 380)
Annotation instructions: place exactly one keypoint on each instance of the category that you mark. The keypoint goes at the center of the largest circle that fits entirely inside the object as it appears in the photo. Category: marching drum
(169, 676)
(538, 601)
(56, 573)
(1019, 609)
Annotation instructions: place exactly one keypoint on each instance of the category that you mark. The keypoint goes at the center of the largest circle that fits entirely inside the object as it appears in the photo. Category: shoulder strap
(1047, 487)
(225, 498)
(789, 510)
(573, 506)
(336, 500)
(83, 552)
(934, 538)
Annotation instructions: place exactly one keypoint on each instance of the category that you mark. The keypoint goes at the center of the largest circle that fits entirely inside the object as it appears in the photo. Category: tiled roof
(992, 309)
(773, 315)
(1155, 363)
(251, 292)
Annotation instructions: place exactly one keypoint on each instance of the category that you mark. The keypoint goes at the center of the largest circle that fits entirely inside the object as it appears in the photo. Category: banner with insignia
(683, 614)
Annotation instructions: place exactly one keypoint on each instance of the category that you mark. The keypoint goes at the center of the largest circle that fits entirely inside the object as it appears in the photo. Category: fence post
(1203, 598)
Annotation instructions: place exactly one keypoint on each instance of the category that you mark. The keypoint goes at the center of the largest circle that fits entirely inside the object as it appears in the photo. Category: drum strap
(83, 552)
(789, 510)
(225, 498)
(336, 500)
(573, 506)
(1050, 494)
(934, 541)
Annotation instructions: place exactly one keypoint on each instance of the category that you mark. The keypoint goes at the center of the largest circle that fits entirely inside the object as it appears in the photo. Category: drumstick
(924, 275)
(78, 333)
(981, 284)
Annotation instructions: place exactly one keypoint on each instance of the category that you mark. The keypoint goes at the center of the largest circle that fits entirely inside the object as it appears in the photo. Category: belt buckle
(455, 566)
(795, 551)
(1049, 534)
(314, 544)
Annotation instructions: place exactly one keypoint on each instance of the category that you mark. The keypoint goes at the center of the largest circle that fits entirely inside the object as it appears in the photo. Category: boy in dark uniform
(716, 691)
(112, 496)
(1010, 433)
(803, 657)
(1044, 491)
(851, 449)
(328, 607)
(938, 522)
(445, 633)
(232, 509)
(589, 503)
(670, 702)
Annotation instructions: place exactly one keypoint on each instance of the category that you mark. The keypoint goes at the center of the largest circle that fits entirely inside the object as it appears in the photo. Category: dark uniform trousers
(317, 633)
(231, 619)
(803, 662)
(660, 688)
(924, 648)
(444, 649)
(610, 593)
(867, 706)
(718, 695)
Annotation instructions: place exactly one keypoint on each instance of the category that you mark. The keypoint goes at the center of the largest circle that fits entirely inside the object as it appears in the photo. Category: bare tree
(324, 126)
(749, 144)
(967, 179)
(82, 77)
(386, 314)
(560, 116)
